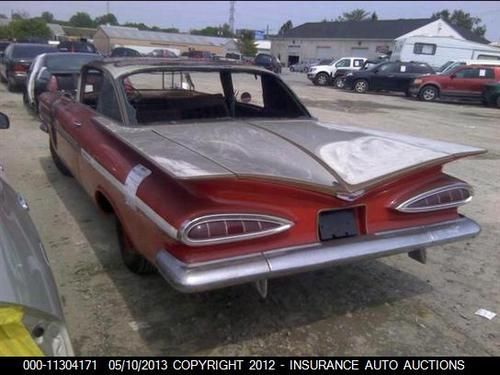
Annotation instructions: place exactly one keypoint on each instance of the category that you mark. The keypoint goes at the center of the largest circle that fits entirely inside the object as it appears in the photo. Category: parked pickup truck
(218, 175)
(323, 75)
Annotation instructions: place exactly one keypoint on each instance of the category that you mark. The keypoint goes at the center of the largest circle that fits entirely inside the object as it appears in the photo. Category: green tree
(170, 30)
(374, 16)
(31, 28)
(106, 19)
(20, 15)
(288, 25)
(353, 15)
(81, 19)
(47, 16)
(3, 16)
(222, 31)
(246, 44)
(462, 19)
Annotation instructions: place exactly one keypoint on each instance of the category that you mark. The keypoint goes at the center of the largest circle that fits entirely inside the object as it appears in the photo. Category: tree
(106, 19)
(47, 16)
(461, 19)
(170, 30)
(20, 15)
(81, 19)
(31, 28)
(353, 15)
(288, 25)
(221, 31)
(374, 16)
(246, 43)
(3, 16)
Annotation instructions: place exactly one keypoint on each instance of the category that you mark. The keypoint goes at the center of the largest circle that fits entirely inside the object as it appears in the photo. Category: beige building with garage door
(108, 37)
(368, 38)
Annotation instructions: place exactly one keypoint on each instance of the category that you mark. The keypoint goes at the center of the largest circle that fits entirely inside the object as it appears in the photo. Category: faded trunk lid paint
(305, 151)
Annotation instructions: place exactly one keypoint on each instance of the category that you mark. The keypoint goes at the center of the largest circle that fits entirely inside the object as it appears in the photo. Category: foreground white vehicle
(323, 75)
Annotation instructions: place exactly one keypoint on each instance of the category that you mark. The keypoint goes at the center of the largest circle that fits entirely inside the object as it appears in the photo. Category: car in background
(464, 82)
(323, 75)
(31, 317)
(452, 64)
(54, 71)
(16, 61)
(198, 54)
(76, 46)
(161, 52)
(125, 52)
(304, 65)
(491, 94)
(389, 76)
(233, 56)
(3, 46)
(268, 62)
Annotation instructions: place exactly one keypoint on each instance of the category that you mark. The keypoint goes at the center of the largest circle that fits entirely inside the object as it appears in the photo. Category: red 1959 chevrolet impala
(218, 175)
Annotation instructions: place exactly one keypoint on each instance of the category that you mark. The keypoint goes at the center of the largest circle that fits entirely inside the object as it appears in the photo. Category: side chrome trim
(404, 207)
(196, 277)
(188, 225)
(165, 226)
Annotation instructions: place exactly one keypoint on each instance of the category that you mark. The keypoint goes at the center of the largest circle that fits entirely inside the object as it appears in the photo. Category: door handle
(77, 124)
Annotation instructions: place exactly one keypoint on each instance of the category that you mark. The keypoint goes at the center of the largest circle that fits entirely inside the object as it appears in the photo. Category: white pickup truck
(323, 75)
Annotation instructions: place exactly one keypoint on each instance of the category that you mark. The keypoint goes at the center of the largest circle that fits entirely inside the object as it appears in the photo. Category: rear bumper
(269, 264)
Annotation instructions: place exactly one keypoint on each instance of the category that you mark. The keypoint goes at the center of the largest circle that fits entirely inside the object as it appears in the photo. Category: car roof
(119, 66)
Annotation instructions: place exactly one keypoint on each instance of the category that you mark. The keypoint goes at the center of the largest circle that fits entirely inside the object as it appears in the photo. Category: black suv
(125, 52)
(269, 62)
(390, 76)
(16, 60)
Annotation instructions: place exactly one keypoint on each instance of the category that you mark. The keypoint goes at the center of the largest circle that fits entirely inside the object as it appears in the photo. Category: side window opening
(424, 49)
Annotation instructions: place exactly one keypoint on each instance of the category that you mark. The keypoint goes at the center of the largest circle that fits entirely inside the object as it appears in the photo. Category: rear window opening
(163, 97)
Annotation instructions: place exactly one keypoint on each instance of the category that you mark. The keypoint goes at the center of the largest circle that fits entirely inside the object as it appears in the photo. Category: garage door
(324, 52)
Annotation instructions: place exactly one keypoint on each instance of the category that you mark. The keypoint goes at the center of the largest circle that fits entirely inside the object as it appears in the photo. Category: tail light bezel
(183, 236)
(405, 205)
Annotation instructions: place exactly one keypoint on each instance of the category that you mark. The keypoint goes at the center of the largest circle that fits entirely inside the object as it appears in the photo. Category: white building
(358, 38)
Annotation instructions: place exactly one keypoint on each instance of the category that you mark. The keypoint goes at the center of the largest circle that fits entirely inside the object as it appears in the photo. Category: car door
(383, 77)
(466, 82)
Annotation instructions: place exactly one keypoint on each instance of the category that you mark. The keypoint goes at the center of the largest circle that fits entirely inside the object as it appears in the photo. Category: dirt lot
(393, 306)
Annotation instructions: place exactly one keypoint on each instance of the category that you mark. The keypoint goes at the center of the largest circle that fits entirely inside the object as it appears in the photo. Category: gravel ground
(392, 306)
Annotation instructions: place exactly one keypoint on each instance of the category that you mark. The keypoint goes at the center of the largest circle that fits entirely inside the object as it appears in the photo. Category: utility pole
(231, 16)
(107, 7)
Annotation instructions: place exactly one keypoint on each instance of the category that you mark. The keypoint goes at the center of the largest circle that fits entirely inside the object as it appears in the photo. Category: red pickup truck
(218, 175)
(466, 82)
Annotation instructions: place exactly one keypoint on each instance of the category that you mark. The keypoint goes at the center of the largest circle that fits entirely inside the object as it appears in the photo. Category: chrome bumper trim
(198, 277)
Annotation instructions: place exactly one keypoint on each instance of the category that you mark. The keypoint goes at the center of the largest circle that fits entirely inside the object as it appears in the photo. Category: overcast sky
(254, 14)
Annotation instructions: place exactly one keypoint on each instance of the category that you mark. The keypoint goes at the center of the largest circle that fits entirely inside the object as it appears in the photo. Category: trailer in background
(437, 50)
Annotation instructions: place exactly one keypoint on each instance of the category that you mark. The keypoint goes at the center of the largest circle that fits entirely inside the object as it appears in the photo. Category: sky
(186, 15)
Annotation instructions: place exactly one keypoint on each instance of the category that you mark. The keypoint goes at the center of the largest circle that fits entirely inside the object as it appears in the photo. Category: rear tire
(11, 86)
(498, 101)
(134, 261)
(361, 86)
(2, 79)
(58, 162)
(428, 93)
(339, 83)
(322, 79)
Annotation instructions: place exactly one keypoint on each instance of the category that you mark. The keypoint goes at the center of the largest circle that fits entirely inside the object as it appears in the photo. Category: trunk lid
(303, 151)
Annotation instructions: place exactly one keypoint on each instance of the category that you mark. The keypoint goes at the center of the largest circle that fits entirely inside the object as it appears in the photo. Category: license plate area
(337, 224)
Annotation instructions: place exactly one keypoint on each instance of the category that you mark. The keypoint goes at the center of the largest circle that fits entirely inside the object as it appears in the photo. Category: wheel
(407, 93)
(25, 97)
(292, 69)
(498, 101)
(11, 85)
(2, 79)
(134, 261)
(428, 93)
(58, 162)
(361, 86)
(339, 83)
(322, 79)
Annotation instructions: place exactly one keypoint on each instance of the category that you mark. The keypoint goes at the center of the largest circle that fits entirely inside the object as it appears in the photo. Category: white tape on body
(133, 181)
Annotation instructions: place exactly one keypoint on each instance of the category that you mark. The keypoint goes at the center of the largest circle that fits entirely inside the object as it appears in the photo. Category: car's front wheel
(428, 93)
(134, 261)
(361, 86)
(339, 82)
(322, 79)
